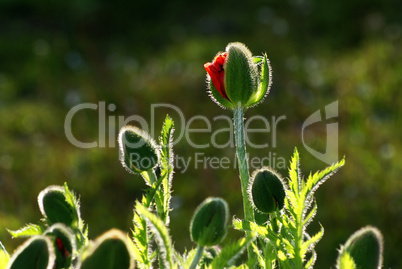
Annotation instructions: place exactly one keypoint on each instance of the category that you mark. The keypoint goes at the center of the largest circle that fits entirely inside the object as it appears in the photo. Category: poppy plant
(236, 78)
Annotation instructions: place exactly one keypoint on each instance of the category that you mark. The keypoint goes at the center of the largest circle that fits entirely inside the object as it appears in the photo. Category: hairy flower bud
(64, 244)
(365, 247)
(37, 252)
(208, 225)
(110, 251)
(56, 209)
(266, 191)
(237, 79)
(138, 152)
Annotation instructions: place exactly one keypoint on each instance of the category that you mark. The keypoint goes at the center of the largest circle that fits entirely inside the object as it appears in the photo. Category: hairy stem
(243, 166)
(197, 257)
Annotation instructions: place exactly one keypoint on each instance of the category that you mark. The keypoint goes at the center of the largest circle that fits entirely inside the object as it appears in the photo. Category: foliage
(282, 242)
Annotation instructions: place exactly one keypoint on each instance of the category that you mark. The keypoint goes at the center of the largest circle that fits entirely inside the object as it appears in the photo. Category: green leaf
(257, 59)
(313, 182)
(295, 177)
(345, 261)
(230, 253)
(140, 240)
(72, 199)
(260, 258)
(36, 253)
(26, 231)
(270, 256)
(110, 251)
(166, 164)
(309, 217)
(309, 244)
(311, 261)
(160, 232)
(4, 257)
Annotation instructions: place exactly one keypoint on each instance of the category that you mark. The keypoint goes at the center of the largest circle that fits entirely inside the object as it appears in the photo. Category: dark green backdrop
(131, 54)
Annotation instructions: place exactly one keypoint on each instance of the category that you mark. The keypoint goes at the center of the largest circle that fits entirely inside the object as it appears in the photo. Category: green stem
(197, 257)
(243, 167)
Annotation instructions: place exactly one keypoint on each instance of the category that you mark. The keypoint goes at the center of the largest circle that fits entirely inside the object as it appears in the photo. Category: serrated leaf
(311, 261)
(313, 182)
(72, 199)
(140, 240)
(230, 252)
(166, 165)
(345, 261)
(26, 231)
(160, 232)
(260, 258)
(249, 226)
(311, 242)
(295, 177)
(308, 218)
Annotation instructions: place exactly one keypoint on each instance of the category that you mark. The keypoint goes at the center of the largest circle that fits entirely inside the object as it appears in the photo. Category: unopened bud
(365, 247)
(55, 208)
(138, 152)
(208, 225)
(266, 191)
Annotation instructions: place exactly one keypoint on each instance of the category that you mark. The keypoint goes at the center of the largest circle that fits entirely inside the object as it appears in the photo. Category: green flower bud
(236, 78)
(266, 191)
(138, 152)
(365, 247)
(64, 244)
(208, 225)
(110, 251)
(56, 208)
(37, 252)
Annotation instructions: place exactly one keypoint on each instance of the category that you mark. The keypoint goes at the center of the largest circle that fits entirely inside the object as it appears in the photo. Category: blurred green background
(132, 54)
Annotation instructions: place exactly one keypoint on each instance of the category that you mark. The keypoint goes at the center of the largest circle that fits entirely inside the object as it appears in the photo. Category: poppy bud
(138, 152)
(64, 244)
(236, 78)
(208, 225)
(37, 252)
(365, 247)
(55, 208)
(266, 191)
(110, 251)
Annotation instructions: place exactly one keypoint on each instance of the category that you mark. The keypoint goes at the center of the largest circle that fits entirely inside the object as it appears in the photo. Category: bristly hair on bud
(111, 250)
(266, 190)
(208, 224)
(138, 151)
(237, 79)
(365, 247)
(56, 208)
